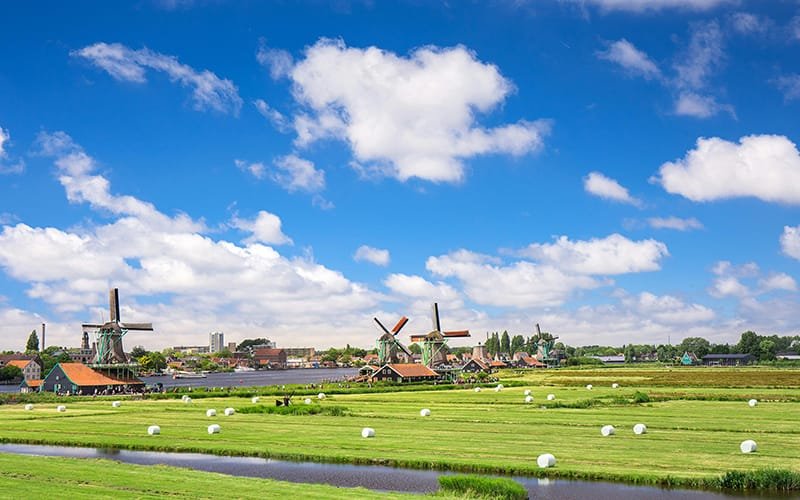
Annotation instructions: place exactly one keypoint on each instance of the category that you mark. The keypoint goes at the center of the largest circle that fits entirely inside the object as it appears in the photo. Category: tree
(517, 344)
(749, 343)
(225, 353)
(697, 345)
(630, 353)
(33, 342)
(251, 342)
(415, 348)
(153, 361)
(138, 351)
(10, 372)
(766, 350)
(505, 342)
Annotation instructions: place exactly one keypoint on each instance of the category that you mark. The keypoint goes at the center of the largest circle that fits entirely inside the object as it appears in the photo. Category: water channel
(379, 478)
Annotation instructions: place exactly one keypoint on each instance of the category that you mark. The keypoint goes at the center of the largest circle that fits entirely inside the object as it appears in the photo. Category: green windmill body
(390, 350)
(434, 344)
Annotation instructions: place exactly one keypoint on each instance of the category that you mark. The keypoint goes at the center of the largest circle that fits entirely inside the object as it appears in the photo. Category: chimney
(42, 348)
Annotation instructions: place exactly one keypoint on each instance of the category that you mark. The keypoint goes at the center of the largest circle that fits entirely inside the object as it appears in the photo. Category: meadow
(695, 425)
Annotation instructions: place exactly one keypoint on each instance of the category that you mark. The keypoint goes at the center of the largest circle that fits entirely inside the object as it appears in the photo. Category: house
(270, 358)
(474, 366)
(32, 385)
(728, 359)
(497, 364)
(530, 362)
(787, 356)
(689, 359)
(452, 359)
(404, 372)
(77, 378)
(371, 359)
(30, 368)
(519, 355)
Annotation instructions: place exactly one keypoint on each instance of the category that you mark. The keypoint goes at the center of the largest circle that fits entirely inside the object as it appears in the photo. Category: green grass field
(693, 435)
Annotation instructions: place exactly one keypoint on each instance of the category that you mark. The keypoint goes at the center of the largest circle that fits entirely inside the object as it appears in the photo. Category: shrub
(759, 479)
(333, 411)
(641, 397)
(482, 487)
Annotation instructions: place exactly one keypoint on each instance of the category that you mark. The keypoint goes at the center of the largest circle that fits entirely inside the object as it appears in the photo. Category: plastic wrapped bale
(424, 412)
(154, 430)
(229, 412)
(588, 387)
(28, 407)
(615, 385)
(307, 401)
(529, 399)
(184, 398)
(748, 446)
(321, 395)
(607, 430)
(255, 400)
(546, 460)
(498, 388)
(187, 400)
(116, 404)
(527, 392)
(753, 403)
(367, 432)
(211, 413)
(214, 429)
(477, 389)
(640, 429)
(61, 408)
(551, 397)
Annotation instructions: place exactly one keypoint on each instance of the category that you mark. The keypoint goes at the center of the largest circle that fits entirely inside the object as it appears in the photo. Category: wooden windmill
(390, 350)
(434, 343)
(109, 334)
(544, 343)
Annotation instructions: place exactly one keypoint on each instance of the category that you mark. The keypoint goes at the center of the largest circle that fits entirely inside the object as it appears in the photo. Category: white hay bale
(615, 385)
(529, 399)
(367, 432)
(229, 412)
(214, 429)
(154, 430)
(255, 400)
(588, 387)
(608, 430)
(424, 412)
(753, 403)
(211, 413)
(61, 408)
(187, 400)
(640, 429)
(477, 389)
(499, 388)
(527, 392)
(748, 446)
(116, 404)
(28, 407)
(184, 397)
(307, 401)
(551, 397)
(321, 395)
(546, 460)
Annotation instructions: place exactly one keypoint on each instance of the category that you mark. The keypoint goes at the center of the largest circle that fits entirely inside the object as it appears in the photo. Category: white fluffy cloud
(699, 106)
(668, 309)
(639, 6)
(614, 254)
(778, 281)
(279, 62)
(170, 272)
(760, 166)
(256, 169)
(123, 63)
(605, 187)
(377, 256)
(298, 174)
(790, 241)
(674, 223)
(264, 228)
(6, 165)
(409, 116)
(630, 58)
(747, 283)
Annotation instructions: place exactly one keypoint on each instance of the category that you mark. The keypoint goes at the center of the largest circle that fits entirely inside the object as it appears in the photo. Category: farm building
(77, 378)
(727, 359)
(689, 359)
(30, 368)
(404, 372)
(30, 385)
(474, 366)
(530, 362)
(611, 360)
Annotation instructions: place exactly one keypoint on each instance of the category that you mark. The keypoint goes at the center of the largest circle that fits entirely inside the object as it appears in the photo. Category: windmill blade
(435, 316)
(91, 326)
(137, 326)
(381, 325)
(457, 333)
(399, 326)
(113, 305)
(403, 348)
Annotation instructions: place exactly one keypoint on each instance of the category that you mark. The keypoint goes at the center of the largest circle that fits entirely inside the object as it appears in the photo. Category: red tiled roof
(412, 370)
(531, 361)
(497, 364)
(82, 375)
(19, 363)
(479, 363)
(34, 382)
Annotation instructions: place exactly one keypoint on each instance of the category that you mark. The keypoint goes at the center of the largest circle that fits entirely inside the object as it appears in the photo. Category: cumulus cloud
(264, 228)
(676, 223)
(274, 116)
(256, 169)
(125, 64)
(614, 254)
(778, 281)
(605, 187)
(747, 283)
(377, 256)
(406, 117)
(790, 241)
(766, 167)
(640, 6)
(633, 60)
(668, 309)
(298, 174)
(171, 272)
(6, 165)
(699, 106)
(279, 62)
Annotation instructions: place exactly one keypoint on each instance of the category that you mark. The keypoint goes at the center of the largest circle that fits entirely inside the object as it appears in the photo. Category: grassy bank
(691, 441)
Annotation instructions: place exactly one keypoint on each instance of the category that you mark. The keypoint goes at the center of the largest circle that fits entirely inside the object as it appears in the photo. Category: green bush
(333, 411)
(759, 479)
(583, 360)
(482, 487)
(641, 397)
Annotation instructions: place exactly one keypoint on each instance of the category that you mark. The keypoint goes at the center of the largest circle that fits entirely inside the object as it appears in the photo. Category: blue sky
(615, 170)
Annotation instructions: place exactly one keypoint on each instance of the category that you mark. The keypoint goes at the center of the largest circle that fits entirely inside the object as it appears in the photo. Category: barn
(404, 372)
(77, 378)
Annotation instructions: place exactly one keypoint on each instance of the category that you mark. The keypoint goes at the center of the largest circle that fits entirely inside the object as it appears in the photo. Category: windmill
(109, 334)
(390, 350)
(544, 346)
(433, 343)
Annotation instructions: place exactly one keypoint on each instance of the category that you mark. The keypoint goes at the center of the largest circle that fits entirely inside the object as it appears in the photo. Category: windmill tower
(544, 347)
(390, 350)
(109, 335)
(434, 343)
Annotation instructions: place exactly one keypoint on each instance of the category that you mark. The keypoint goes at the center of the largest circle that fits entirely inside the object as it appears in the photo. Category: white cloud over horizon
(264, 228)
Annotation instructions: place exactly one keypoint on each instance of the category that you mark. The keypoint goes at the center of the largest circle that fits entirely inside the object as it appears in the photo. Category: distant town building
(475, 365)
(215, 341)
(689, 358)
(81, 355)
(232, 346)
(270, 358)
(300, 352)
(30, 368)
(787, 356)
(614, 359)
(727, 359)
(191, 349)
